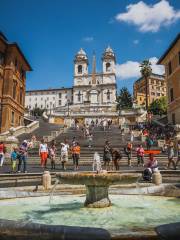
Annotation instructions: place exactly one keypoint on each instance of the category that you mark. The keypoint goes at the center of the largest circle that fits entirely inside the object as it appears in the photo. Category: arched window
(108, 66)
(79, 68)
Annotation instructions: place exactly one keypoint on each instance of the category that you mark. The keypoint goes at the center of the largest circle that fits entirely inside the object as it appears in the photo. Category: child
(97, 163)
(14, 156)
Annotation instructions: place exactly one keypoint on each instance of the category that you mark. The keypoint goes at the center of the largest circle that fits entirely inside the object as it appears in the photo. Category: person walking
(76, 155)
(128, 152)
(107, 157)
(171, 155)
(140, 155)
(43, 153)
(52, 155)
(90, 140)
(116, 157)
(14, 157)
(22, 156)
(131, 136)
(178, 153)
(2, 153)
(64, 154)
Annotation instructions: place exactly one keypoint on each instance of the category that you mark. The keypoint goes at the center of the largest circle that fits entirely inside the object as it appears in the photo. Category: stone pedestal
(157, 178)
(46, 180)
(97, 197)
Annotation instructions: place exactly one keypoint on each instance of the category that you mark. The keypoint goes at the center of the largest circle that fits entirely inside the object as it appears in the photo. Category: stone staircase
(99, 137)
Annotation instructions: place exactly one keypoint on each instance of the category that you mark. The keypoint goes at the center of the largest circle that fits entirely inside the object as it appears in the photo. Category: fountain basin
(97, 185)
(127, 218)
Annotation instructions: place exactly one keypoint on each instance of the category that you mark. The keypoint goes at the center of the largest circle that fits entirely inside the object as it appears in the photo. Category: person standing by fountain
(128, 152)
(52, 155)
(2, 152)
(22, 156)
(43, 153)
(178, 153)
(140, 155)
(64, 154)
(107, 157)
(171, 155)
(76, 155)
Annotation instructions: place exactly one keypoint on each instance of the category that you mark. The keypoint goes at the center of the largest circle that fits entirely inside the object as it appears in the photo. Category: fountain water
(52, 191)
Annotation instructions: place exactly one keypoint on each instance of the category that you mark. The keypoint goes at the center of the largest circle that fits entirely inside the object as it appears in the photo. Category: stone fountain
(97, 185)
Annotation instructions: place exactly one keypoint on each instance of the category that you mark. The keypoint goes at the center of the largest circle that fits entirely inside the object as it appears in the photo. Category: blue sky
(50, 32)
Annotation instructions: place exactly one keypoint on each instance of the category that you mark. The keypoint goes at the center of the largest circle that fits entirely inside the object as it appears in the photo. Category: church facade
(93, 95)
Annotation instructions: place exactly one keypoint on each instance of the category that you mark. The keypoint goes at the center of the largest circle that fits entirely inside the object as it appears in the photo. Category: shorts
(64, 157)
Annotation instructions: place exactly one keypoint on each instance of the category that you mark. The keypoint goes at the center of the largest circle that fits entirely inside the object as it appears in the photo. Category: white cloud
(149, 18)
(131, 69)
(136, 41)
(88, 39)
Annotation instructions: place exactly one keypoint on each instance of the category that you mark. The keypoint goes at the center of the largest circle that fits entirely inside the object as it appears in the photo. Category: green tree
(159, 106)
(37, 112)
(124, 99)
(146, 70)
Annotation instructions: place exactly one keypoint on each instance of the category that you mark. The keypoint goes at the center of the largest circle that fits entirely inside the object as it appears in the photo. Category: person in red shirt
(2, 152)
(140, 155)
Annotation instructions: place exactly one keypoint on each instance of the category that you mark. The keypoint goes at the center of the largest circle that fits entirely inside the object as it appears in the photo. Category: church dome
(108, 54)
(81, 55)
(109, 50)
(81, 52)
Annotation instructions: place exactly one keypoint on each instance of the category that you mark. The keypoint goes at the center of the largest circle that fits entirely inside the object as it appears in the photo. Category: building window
(60, 102)
(22, 73)
(41, 106)
(79, 96)
(47, 106)
(153, 93)
(79, 68)
(170, 68)
(108, 66)
(60, 95)
(173, 119)
(53, 98)
(14, 89)
(21, 96)
(1, 58)
(171, 95)
(36, 105)
(16, 64)
(41, 99)
(12, 118)
(108, 95)
(158, 94)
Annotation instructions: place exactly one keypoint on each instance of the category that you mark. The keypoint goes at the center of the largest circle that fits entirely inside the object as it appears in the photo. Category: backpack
(147, 175)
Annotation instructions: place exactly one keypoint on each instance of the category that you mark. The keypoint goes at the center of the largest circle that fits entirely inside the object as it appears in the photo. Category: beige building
(13, 68)
(171, 60)
(156, 89)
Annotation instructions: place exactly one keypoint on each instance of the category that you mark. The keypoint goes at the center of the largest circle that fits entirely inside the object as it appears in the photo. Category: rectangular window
(60, 102)
(158, 94)
(21, 96)
(12, 118)
(171, 95)
(1, 58)
(170, 68)
(60, 95)
(173, 119)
